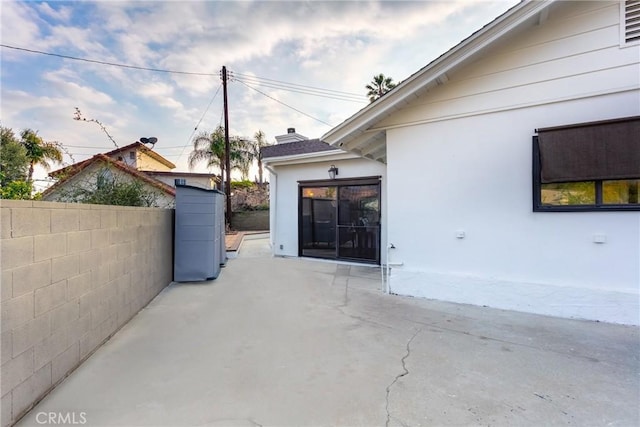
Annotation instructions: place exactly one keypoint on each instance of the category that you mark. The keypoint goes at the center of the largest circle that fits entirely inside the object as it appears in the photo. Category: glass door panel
(359, 222)
(318, 222)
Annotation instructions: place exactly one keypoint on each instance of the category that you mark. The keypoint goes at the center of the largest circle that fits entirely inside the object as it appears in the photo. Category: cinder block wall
(72, 275)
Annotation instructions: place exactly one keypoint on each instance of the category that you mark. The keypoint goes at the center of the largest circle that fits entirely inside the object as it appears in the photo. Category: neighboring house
(134, 161)
(141, 157)
(512, 165)
(88, 174)
(310, 212)
(203, 180)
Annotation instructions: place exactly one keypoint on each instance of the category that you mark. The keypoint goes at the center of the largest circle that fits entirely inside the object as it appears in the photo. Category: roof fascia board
(309, 158)
(402, 93)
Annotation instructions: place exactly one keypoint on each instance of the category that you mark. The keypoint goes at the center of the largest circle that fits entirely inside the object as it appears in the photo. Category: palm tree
(39, 152)
(242, 155)
(209, 147)
(259, 143)
(379, 86)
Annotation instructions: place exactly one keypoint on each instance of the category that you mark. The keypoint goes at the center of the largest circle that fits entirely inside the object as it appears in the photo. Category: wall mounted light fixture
(333, 171)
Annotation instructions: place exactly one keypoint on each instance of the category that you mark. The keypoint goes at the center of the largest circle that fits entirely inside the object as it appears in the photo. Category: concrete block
(50, 297)
(89, 219)
(64, 267)
(30, 334)
(16, 370)
(64, 220)
(30, 222)
(99, 314)
(109, 253)
(47, 350)
(88, 301)
(30, 390)
(16, 311)
(5, 203)
(64, 315)
(108, 218)
(125, 218)
(5, 410)
(43, 204)
(65, 362)
(79, 328)
(31, 277)
(78, 241)
(78, 286)
(116, 269)
(100, 238)
(6, 285)
(108, 327)
(124, 251)
(89, 260)
(16, 252)
(5, 221)
(88, 343)
(100, 276)
(6, 351)
(47, 246)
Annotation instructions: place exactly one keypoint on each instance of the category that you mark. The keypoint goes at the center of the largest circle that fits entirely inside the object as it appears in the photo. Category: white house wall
(284, 196)
(87, 179)
(468, 156)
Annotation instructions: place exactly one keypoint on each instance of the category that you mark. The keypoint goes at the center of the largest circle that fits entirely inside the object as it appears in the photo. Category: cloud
(61, 13)
(333, 45)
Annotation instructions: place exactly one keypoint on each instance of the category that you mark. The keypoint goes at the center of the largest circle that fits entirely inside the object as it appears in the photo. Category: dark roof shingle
(297, 147)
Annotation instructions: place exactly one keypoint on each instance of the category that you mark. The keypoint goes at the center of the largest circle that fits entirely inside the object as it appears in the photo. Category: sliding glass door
(340, 220)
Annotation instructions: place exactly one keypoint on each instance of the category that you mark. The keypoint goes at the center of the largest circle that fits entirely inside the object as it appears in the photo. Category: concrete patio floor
(292, 342)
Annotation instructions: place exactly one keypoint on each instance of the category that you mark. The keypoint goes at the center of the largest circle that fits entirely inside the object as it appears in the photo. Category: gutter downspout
(274, 207)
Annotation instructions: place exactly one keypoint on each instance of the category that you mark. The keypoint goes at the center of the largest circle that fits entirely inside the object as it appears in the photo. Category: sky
(301, 64)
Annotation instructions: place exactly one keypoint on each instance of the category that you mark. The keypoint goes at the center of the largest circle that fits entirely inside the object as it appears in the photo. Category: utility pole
(227, 148)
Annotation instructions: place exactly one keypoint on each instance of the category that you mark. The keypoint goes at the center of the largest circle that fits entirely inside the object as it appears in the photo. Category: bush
(242, 184)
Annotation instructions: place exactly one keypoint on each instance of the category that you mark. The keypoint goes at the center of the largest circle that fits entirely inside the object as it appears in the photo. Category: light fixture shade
(333, 171)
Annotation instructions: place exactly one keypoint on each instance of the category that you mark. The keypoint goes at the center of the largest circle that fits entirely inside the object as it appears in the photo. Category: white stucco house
(509, 169)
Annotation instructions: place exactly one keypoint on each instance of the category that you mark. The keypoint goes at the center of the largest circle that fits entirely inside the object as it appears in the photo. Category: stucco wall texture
(72, 275)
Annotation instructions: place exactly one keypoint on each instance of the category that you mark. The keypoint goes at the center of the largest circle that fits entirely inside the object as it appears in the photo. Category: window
(586, 167)
(132, 155)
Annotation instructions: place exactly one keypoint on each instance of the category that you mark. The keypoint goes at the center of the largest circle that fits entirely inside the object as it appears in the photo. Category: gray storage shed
(199, 248)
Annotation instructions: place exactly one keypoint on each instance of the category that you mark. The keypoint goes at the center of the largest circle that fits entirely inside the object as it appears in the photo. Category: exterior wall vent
(631, 18)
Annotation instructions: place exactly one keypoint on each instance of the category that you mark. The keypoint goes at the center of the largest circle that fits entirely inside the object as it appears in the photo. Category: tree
(259, 143)
(379, 86)
(209, 148)
(13, 158)
(39, 151)
(107, 188)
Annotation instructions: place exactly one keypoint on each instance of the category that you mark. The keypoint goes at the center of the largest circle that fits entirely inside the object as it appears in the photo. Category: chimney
(291, 130)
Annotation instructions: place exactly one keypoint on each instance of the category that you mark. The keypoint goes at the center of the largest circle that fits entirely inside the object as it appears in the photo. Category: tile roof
(295, 148)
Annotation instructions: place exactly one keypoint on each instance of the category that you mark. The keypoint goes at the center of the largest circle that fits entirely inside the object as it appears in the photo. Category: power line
(280, 102)
(199, 121)
(252, 77)
(304, 92)
(113, 64)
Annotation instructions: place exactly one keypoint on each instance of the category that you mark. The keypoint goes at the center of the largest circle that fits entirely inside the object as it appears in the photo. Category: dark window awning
(604, 150)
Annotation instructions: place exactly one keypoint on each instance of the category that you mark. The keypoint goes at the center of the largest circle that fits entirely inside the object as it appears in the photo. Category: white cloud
(62, 13)
(334, 45)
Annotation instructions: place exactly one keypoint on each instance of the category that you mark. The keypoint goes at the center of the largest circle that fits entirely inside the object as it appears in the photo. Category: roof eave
(434, 73)
(309, 157)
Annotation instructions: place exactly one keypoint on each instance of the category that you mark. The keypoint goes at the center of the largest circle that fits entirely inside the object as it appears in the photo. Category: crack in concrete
(403, 374)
